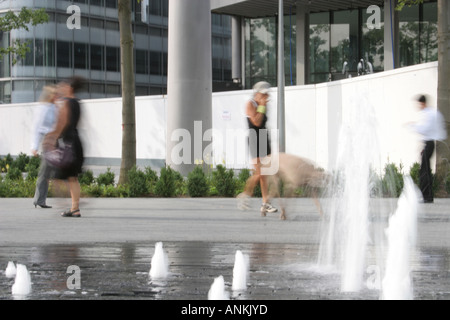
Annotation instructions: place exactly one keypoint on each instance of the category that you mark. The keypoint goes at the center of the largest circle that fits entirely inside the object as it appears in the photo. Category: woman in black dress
(66, 130)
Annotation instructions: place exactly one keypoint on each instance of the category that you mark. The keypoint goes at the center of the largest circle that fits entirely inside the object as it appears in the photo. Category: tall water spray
(345, 231)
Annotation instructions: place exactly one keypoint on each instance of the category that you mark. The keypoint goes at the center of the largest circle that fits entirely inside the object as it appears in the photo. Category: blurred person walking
(431, 127)
(66, 132)
(44, 123)
(259, 145)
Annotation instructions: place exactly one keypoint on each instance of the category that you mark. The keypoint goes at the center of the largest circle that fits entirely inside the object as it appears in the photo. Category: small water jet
(217, 290)
(22, 284)
(10, 271)
(240, 271)
(160, 263)
(401, 235)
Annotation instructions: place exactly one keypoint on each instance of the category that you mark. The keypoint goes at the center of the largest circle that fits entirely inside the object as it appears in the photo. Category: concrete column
(236, 49)
(189, 84)
(302, 22)
(391, 35)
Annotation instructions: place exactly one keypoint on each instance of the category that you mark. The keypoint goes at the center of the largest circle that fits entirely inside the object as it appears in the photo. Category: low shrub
(86, 177)
(14, 173)
(414, 172)
(18, 188)
(151, 178)
(197, 184)
(224, 181)
(166, 185)
(21, 162)
(6, 162)
(392, 182)
(137, 182)
(107, 178)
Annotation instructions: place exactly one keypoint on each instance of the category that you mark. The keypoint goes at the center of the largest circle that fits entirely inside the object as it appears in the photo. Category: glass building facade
(57, 52)
(338, 40)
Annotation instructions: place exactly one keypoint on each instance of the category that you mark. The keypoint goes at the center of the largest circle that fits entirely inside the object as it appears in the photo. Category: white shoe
(243, 201)
(267, 208)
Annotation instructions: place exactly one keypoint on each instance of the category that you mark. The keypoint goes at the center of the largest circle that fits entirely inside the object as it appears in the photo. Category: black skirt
(77, 165)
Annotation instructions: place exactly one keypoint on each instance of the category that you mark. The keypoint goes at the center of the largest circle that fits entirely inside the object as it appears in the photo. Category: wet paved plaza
(277, 272)
(119, 270)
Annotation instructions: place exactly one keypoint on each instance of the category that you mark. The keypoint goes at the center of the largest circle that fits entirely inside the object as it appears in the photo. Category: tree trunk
(128, 91)
(443, 148)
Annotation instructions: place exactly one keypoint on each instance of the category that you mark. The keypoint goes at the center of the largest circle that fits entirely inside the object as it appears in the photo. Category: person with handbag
(66, 133)
(44, 123)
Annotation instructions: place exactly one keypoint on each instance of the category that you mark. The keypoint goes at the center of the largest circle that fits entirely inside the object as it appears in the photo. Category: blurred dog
(293, 172)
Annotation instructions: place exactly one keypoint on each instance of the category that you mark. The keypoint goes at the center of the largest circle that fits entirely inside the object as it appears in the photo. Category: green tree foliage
(21, 20)
(409, 3)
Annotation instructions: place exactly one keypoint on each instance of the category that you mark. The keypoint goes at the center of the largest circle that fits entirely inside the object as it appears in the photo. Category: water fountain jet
(22, 284)
(10, 271)
(160, 263)
(401, 235)
(217, 290)
(240, 271)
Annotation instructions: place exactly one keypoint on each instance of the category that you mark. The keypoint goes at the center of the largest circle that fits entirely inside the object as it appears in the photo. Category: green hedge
(18, 179)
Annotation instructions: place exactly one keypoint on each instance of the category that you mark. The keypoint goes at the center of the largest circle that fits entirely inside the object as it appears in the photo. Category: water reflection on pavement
(277, 272)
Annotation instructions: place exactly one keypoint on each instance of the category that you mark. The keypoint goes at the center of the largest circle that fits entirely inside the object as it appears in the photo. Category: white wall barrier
(314, 116)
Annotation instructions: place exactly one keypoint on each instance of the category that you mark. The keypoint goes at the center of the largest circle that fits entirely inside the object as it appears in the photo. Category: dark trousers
(42, 183)
(425, 175)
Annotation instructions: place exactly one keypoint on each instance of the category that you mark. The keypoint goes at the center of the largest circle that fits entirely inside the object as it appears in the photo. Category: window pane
(45, 52)
(409, 36)
(97, 57)
(97, 3)
(154, 7)
(23, 91)
(290, 49)
(165, 8)
(5, 70)
(111, 3)
(155, 63)
(112, 59)
(28, 60)
(261, 52)
(64, 56)
(141, 62)
(141, 91)
(81, 55)
(5, 92)
(319, 47)
(113, 90)
(428, 35)
(344, 42)
(97, 88)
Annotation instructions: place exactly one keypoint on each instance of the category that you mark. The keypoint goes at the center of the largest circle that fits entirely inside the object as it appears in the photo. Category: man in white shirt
(431, 127)
(45, 121)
